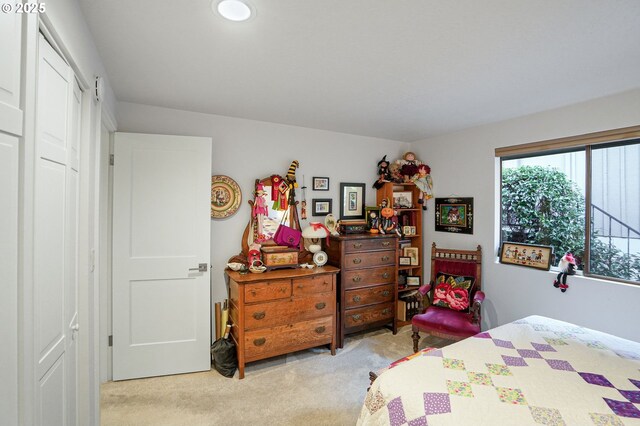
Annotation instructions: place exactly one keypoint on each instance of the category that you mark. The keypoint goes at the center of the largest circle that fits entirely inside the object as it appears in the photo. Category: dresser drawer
(368, 296)
(368, 314)
(311, 285)
(267, 290)
(363, 277)
(369, 244)
(287, 338)
(288, 311)
(363, 260)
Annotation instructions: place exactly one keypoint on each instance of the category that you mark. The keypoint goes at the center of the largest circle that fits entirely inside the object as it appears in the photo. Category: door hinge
(111, 159)
(111, 340)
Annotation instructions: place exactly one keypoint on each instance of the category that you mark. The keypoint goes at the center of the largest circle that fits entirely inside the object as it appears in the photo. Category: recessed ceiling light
(233, 10)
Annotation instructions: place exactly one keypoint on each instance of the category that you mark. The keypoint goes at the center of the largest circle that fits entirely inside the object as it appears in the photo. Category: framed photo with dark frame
(531, 255)
(320, 183)
(454, 215)
(413, 280)
(352, 196)
(321, 206)
(404, 261)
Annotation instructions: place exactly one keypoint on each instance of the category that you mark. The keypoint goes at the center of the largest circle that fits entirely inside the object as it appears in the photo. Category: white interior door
(161, 223)
(55, 238)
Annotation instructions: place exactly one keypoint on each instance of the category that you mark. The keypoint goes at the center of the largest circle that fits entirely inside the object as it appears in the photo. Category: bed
(532, 371)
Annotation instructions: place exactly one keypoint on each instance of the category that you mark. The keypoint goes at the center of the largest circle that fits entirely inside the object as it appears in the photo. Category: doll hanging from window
(567, 267)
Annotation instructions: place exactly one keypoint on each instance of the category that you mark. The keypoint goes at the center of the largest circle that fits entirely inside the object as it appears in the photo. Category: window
(579, 195)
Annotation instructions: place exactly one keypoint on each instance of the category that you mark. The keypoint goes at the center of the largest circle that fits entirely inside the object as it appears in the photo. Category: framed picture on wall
(320, 183)
(352, 197)
(321, 206)
(454, 215)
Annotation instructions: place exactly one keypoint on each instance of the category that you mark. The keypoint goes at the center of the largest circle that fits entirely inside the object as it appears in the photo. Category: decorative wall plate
(225, 196)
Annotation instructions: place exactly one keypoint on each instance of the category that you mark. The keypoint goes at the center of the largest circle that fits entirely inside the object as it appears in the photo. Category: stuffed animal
(384, 175)
(567, 267)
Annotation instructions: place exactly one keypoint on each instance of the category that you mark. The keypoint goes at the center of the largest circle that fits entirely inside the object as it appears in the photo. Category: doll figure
(260, 209)
(425, 184)
(384, 175)
(567, 266)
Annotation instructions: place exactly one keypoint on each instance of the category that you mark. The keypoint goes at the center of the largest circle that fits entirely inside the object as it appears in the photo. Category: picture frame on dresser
(352, 196)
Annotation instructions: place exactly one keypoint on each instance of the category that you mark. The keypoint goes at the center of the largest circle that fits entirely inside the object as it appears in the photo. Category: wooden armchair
(455, 296)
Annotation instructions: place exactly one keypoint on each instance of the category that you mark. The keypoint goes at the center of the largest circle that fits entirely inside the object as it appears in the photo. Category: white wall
(464, 164)
(245, 150)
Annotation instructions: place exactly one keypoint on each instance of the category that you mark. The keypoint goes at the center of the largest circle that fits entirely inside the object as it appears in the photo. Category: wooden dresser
(367, 283)
(282, 311)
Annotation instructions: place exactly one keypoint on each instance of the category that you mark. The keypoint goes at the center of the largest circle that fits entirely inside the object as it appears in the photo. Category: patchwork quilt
(532, 371)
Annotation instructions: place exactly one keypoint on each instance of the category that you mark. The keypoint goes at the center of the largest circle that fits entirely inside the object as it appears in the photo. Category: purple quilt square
(436, 403)
(437, 353)
(514, 361)
(529, 353)
(635, 382)
(543, 347)
(419, 421)
(632, 396)
(596, 379)
(503, 343)
(483, 335)
(623, 408)
(396, 412)
(558, 364)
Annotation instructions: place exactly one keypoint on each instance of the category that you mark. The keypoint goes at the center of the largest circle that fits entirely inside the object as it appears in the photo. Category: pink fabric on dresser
(447, 321)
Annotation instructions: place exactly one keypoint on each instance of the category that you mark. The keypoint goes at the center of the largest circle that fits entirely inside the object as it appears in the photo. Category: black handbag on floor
(223, 355)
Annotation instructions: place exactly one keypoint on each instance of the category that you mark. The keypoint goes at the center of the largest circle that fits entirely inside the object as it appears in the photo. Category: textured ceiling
(396, 69)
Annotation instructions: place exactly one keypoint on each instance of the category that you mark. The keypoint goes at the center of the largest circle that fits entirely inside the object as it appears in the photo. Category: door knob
(202, 267)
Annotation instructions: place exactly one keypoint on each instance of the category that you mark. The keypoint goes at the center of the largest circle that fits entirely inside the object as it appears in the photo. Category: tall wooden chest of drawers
(282, 311)
(367, 282)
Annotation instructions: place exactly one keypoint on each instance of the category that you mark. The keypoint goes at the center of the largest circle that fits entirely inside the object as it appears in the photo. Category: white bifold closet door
(56, 238)
(161, 245)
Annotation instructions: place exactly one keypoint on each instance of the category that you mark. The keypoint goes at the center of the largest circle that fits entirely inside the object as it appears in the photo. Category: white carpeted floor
(305, 388)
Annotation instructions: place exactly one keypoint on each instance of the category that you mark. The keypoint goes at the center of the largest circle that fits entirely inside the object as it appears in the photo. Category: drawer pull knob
(259, 342)
(356, 317)
(357, 245)
(356, 298)
(258, 315)
(385, 293)
(320, 329)
(385, 275)
(357, 279)
(385, 258)
(357, 260)
(386, 243)
(320, 305)
(385, 311)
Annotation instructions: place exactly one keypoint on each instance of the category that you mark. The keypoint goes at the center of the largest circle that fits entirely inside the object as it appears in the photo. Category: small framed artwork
(321, 206)
(373, 217)
(454, 215)
(413, 280)
(404, 261)
(402, 200)
(413, 230)
(531, 255)
(352, 196)
(413, 254)
(320, 183)
(406, 230)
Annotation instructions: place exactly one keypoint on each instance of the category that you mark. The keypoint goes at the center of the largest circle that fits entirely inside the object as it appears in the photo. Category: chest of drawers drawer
(287, 311)
(368, 259)
(267, 290)
(314, 284)
(287, 338)
(368, 245)
(361, 277)
(369, 314)
(368, 295)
